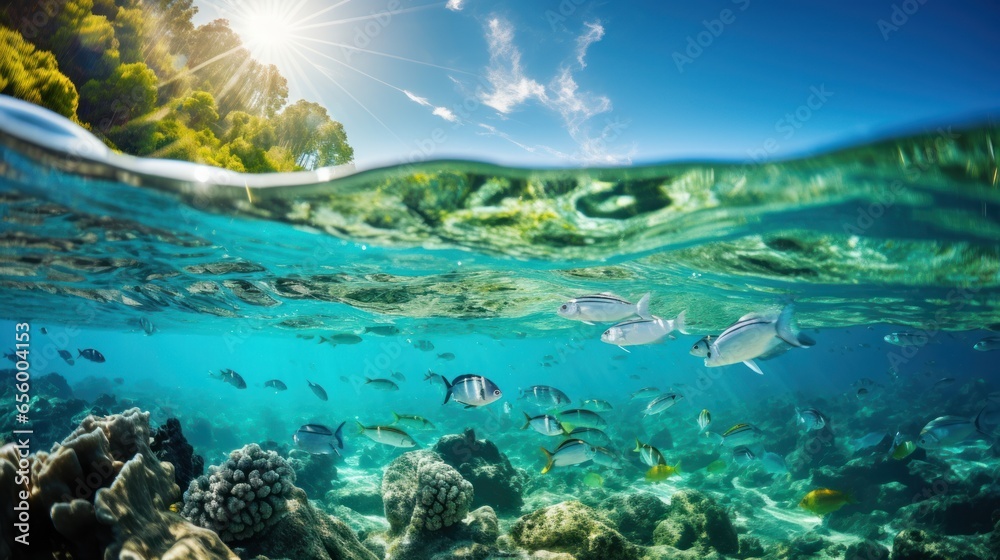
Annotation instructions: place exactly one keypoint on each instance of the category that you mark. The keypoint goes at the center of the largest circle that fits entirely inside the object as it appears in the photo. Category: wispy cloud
(417, 99)
(455, 5)
(512, 87)
(443, 112)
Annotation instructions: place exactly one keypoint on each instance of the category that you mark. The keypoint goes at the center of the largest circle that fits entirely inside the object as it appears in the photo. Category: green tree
(305, 129)
(33, 75)
(128, 93)
(199, 110)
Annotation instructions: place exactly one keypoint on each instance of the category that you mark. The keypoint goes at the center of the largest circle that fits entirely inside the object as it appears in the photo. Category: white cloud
(510, 85)
(417, 99)
(595, 32)
(455, 5)
(445, 113)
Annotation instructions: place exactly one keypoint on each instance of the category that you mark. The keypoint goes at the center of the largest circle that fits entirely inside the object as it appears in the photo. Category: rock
(497, 483)
(954, 512)
(308, 534)
(915, 544)
(362, 495)
(313, 473)
(572, 528)
(635, 515)
(750, 547)
(53, 385)
(695, 519)
(808, 544)
(170, 445)
(866, 550)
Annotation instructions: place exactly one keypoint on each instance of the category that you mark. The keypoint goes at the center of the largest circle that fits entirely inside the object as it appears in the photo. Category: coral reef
(361, 495)
(423, 493)
(636, 515)
(694, 519)
(866, 550)
(243, 496)
(575, 529)
(314, 473)
(498, 484)
(170, 445)
(914, 544)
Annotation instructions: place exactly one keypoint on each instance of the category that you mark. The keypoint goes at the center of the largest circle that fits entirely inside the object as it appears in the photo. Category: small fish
(643, 331)
(544, 395)
(147, 326)
(620, 357)
(340, 338)
(743, 455)
(472, 390)
(176, 507)
(398, 375)
(317, 390)
(649, 455)
(345, 379)
(231, 377)
(11, 356)
(305, 336)
(317, 439)
(508, 408)
(661, 403)
(603, 308)
(447, 356)
(645, 392)
(65, 355)
(596, 404)
(91, 354)
(593, 480)
(862, 393)
(773, 463)
(823, 501)
(119, 380)
(548, 357)
(569, 452)
(810, 419)
(715, 466)
(276, 384)
(607, 458)
(382, 330)
(382, 384)
(416, 422)
(544, 424)
(635, 377)
(906, 339)
(946, 431)
(423, 345)
(435, 378)
(583, 418)
(868, 440)
(44, 330)
(591, 435)
(752, 336)
(901, 449)
(704, 419)
(659, 473)
(741, 435)
(943, 382)
(387, 435)
(988, 344)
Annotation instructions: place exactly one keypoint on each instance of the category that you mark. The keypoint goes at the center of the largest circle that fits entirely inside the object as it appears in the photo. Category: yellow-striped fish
(704, 419)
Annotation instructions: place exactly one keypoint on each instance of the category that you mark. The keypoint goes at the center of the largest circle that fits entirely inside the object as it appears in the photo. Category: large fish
(387, 435)
(569, 452)
(544, 395)
(645, 330)
(946, 431)
(544, 424)
(317, 390)
(603, 308)
(810, 419)
(987, 344)
(917, 339)
(319, 440)
(472, 390)
(583, 418)
(741, 435)
(754, 335)
(413, 421)
(382, 384)
(649, 455)
(661, 403)
(231, 377)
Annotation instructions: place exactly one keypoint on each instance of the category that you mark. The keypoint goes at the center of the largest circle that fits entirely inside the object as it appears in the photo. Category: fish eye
(564, 307)
(496, 392)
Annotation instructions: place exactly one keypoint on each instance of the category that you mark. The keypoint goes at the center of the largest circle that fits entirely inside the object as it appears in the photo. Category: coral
(306, 533)
(243, 496)
(422, 492)
(750, 547)
(695, 519)
(572, 528)
(314, 472)
(636, 515)
(52, 385)
(914, 544)
(170, 445)
(498, 484)
(866, 550)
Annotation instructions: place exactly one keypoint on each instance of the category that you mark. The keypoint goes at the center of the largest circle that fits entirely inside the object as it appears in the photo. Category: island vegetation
(139, 75)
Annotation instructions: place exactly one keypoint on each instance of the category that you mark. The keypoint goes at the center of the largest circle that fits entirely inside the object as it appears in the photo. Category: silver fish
(597, 404)
(645, 392)
(662, 403)
(907, 338)
(544, 424)
(319, 440)
(741, 435)
(382, 384)
(417, 422)
(988, 344)
(773, 463)
(643, 330)
(607, 458)
(569, 452)
(754, 335)
(591, 435)
(472, 390)
(147, 326)
(810, 419)
(583, 418)
(603, 308)
(649, 455)
(387, 435)
(742, 455)
(543, 395)
(946, 431)
(868, 440)
(704, 419)
(435, 377)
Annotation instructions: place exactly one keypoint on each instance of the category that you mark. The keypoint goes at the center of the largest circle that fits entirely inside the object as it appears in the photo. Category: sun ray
(368, 17)
(387, 55)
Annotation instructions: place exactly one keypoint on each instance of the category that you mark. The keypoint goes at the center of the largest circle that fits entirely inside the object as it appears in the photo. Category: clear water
(248, 272)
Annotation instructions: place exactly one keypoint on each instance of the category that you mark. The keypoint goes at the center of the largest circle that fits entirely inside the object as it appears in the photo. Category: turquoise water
(248, 273)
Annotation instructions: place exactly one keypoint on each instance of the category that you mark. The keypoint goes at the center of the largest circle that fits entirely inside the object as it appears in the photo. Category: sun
(268, 31)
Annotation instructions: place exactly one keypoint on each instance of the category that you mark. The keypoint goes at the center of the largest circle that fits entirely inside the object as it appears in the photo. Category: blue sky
(575, 82)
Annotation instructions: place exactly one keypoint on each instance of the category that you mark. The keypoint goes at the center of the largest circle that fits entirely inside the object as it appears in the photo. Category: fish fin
(642, 308)
(625, 349)
(588, 323)
(567, 427)
(548, 458)
(566, 431)
(716, 437)
(339, 434)
(527, 420)
(677, 467)
(361, 427)
(447, 393)
(335, 450)
(638, 446)
(469, 406)
(750, 364)
(680, 323)
(977, 423)
(785, 327)
(322, 339)
(395, 418)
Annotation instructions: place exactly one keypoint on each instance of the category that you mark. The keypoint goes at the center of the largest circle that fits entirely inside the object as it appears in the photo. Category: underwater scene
(460, 360)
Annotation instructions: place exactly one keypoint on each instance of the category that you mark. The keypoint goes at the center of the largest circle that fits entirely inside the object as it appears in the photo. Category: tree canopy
(143, 78)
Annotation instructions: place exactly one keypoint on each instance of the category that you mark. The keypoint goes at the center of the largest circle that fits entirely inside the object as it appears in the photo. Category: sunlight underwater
(342, 364)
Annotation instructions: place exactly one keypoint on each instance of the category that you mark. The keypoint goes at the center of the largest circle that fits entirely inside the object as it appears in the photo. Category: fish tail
(786, 328)
(79, 352)
(566, 431)
(638, 446)
(677, 467)
(549, 461)
(977, 422)
(395, 418)
(447, 392)
(368, 380)
(642, 308)
(361, 427)
(339, 434)
(527, 420)
(680, 324)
